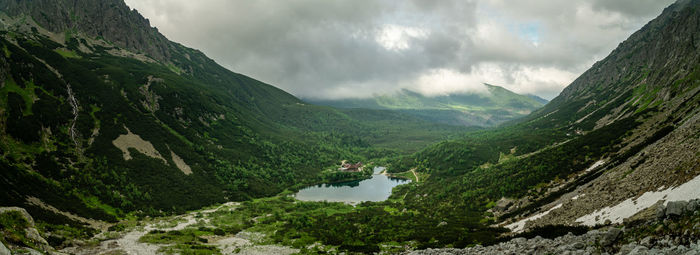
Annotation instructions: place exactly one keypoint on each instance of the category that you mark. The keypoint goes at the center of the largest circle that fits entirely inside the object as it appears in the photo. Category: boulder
(503, 204)
(660, 212)
(675, 208)
(693, 205)
(4, 250)
(33, 234)
(24, 213)
(610, 237)
(647, 241)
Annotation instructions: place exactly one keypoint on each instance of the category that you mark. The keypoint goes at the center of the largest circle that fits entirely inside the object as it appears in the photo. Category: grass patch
(12, 225)
(27, 93)
(174, 69)
(66, 53)
(94, 109)
(176, 134)
(7, 51)
(95, 203)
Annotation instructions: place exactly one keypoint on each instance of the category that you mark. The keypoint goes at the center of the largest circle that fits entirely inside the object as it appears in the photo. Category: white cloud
(445, 81)
(396, 38)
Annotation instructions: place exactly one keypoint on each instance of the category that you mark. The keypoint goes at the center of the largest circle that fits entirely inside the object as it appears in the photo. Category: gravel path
(129, 242)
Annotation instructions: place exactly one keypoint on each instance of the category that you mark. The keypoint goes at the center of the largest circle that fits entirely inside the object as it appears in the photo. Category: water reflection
(378, 188)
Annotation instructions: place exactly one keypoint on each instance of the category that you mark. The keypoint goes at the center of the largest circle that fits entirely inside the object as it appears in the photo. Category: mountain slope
(101, 115)
(627, 126)
(492, 107)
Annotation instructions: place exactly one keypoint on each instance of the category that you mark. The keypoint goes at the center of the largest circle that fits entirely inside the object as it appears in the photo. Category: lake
(377, 188)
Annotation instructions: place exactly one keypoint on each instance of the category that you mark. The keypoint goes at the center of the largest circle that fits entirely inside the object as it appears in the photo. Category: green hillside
(493, 107)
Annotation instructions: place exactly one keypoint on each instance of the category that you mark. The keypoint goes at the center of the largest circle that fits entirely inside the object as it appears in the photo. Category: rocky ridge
(112, 20)
(655, 56)
(653, 78)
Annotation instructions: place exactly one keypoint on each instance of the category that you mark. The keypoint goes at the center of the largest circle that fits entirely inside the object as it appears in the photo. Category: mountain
(101, 115)
(538, 99)
(102, 142)
(620, 138)
(492, 107)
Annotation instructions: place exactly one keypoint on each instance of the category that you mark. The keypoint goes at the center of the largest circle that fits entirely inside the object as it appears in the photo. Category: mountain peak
(112, 20)
(644, 71)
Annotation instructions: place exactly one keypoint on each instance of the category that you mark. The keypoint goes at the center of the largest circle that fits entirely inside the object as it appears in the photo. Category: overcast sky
(338, 49)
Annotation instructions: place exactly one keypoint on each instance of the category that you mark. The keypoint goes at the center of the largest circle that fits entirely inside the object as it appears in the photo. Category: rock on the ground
(693, 205)
(610, 237)
(571, 244)
(660, 212)
(676, 208)
(4, 250)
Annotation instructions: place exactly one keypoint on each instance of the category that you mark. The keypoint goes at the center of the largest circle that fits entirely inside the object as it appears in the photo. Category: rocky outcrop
(112, 20)
(677, 209)
(666, 43)
(30, 232)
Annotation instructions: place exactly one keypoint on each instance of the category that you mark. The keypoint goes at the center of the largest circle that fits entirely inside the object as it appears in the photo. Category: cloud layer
(337, 49)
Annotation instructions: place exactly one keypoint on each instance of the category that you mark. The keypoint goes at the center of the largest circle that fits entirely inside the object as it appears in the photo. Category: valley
(116, 140)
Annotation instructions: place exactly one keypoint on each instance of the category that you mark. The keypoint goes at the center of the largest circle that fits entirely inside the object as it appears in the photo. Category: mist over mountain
(492, 106)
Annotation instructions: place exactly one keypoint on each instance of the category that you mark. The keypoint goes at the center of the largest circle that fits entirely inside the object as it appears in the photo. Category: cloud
(397, 38)
(336, 49)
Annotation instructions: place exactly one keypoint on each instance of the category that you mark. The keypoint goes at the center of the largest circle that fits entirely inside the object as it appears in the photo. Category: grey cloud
(320, 48)
(632, 7)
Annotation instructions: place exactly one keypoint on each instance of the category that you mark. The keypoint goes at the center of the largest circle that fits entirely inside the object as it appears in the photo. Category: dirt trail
(129, 242)
(413, 170)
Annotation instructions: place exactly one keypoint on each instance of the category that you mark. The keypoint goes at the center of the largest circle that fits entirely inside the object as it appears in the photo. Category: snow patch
(629, 207)
(520, 225)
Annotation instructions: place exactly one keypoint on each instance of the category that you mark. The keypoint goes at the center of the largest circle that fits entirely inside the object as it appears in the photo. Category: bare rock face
(112, 20)
(650, 59)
